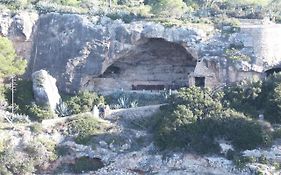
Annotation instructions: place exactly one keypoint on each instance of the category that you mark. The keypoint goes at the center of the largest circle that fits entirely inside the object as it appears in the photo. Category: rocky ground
(127, 148)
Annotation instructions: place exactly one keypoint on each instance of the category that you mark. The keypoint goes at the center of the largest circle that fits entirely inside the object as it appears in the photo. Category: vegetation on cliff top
(196, 11)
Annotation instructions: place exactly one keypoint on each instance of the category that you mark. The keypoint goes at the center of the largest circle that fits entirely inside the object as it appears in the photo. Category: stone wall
(20, 29)
(263, 39)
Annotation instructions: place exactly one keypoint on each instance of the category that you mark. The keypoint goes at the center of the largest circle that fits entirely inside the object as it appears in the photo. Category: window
(200, 81)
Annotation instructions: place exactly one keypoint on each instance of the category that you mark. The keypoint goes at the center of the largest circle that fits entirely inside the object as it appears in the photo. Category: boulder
(45, 89)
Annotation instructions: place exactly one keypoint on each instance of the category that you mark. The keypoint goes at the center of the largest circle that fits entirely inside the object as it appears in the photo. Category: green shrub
(47, 7)
(167, 8)
(15, 4)
(86, 164)
(36, 127)
(254, 98)
(83, 102)
(195, 119)
(126, 17)
(277, 133)
(23, 95)
(236, 55)
(3, 92)
(63, 150)
(201, 102)
(244, 97)
(10, 63)
(39, 113)
(84, 127)
(11, 164)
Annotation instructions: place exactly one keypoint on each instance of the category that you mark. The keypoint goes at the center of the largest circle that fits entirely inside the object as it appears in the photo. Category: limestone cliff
(97, 53)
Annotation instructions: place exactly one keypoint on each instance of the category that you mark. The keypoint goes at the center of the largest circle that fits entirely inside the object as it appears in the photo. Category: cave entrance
(154, 65)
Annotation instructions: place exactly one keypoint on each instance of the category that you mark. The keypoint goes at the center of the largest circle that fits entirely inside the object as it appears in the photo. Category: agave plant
(134, 104)
(124, 102)
(19, 118)
(62, 109)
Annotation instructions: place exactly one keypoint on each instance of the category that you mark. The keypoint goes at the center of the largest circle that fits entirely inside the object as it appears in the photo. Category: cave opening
(155, 65)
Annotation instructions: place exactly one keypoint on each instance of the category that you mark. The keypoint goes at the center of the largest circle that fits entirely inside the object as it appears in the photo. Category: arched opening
(154, 65)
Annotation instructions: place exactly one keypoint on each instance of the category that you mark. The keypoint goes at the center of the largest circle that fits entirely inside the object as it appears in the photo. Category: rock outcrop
(84, 49)
(45, 89)
(97, 53)
(19, 28)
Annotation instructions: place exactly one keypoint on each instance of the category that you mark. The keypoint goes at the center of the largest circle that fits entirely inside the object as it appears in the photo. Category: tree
(167, 8)
(10, 63)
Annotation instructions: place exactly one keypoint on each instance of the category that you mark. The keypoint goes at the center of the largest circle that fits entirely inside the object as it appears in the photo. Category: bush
(15, 4)
(84, 127)
(167, 8)
(236, 55)
(10, 63)
(244, 97)
(86, 164)
(273, 105)
(254, 98)
(83, 102)
(12, 163)
(195, 119)
(23, 95)
(36, 127)
(39, 113)
(201, 102)
(47, 7)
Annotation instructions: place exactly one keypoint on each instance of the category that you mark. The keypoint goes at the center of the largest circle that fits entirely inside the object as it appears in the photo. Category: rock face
(19, 28)
(84, 50)
(45, 89)
(97, 53)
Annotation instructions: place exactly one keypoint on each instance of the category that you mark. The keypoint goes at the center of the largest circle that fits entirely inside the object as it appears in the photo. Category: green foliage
(68, 2)
(84, 127)
(244, 97)
(84, 102)
(253, 98)
(277, 133)
(10, 64)
(15, 4)
(273, 106)
(129, 14)
(62, 150)
(200, 101)
(236, 55)
(195, 119)
(39, 113)
(11, 163)
(23, 95)
(3, 90)
(47, 7)
(36, 127)
(86, 164)
(167, 8)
